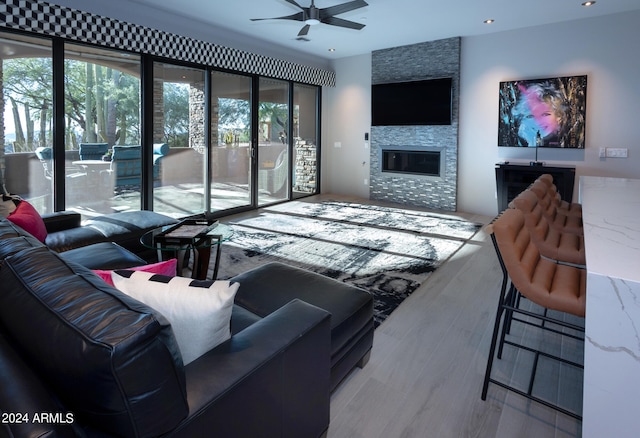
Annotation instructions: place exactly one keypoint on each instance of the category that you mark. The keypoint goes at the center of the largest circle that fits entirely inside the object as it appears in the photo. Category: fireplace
(412, 162)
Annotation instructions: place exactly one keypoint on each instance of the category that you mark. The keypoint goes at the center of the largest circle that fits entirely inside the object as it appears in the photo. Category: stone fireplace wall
(430, 60)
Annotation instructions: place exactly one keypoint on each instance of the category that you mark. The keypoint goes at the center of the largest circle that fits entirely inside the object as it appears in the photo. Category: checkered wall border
(53, 20)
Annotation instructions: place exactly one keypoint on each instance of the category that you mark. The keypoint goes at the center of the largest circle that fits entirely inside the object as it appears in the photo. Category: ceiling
(389, 23)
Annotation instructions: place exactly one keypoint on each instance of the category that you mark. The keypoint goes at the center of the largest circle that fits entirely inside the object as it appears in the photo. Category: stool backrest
(542, 281)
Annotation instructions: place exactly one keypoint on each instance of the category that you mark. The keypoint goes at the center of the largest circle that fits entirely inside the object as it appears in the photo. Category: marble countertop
(611, 220)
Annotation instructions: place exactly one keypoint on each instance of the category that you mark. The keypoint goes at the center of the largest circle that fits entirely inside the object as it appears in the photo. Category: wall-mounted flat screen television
(425, 102)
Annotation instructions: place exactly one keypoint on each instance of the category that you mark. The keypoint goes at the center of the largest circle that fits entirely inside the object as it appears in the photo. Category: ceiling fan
(312, 16)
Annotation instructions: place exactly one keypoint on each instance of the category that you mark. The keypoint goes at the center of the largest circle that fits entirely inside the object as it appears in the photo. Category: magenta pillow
(28, 218)
(167, 268)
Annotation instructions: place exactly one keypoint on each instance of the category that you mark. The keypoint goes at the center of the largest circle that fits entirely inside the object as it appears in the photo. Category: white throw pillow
(199, 310)
(8, 205)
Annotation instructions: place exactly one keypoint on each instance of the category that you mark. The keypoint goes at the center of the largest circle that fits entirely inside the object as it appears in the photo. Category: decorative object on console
(199, 311)
(547, 112)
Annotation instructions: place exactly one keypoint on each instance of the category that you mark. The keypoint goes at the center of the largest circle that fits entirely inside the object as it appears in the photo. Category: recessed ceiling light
(332, 50)
(587, 4)
(489, 21)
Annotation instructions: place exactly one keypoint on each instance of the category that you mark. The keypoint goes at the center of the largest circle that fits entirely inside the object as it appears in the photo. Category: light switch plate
(617, 152)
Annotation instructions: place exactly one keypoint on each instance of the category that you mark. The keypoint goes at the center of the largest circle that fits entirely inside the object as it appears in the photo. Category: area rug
(389, 252)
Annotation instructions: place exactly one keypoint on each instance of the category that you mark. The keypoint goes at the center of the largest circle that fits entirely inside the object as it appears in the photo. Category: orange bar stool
(550, 285)
(552, 242)
(546, 182)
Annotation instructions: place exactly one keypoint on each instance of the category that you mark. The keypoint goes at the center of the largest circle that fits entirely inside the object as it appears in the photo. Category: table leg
(201, 257)
(178, 254)
(217, 263)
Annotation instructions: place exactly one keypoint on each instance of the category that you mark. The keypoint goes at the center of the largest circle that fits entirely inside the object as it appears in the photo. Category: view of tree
(176, 114)
(27, 86)
(113, 100)
(233, 120)
(101, 104)
(276, 115)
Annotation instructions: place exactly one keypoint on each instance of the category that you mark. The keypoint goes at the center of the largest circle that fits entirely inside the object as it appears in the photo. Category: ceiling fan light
(312, 21)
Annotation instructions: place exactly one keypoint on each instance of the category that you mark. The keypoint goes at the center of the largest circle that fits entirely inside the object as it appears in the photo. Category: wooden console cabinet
(511, 179)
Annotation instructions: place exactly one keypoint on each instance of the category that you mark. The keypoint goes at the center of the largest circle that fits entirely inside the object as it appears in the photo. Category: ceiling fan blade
(304, 31)
(297, 17)
(341, 9)
(294, 3)
(333, 21)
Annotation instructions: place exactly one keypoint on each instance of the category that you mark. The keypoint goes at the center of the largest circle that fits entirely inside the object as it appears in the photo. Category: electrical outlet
(337, 144)
(617, 152)
(602, 153)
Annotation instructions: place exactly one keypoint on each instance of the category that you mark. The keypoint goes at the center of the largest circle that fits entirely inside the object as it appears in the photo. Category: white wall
(604, 48)
(346, 116)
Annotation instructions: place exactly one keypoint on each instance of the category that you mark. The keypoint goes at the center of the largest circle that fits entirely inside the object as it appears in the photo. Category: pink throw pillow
(27, 217)
(167, 268)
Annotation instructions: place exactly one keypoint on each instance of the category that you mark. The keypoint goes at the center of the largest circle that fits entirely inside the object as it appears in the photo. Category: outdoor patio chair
(273, 180)
(93, 151)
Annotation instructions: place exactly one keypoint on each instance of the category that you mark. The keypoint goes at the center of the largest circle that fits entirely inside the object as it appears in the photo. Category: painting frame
(547, 112)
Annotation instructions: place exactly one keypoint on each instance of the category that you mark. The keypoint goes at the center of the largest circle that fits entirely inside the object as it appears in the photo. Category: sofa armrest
(61, 220)
(271, 379)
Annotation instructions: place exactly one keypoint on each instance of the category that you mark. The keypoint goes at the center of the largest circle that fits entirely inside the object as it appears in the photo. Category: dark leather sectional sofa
(67, 232)
(99, 363)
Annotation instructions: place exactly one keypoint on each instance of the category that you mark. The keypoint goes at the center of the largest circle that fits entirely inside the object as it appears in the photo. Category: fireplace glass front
(412, 162)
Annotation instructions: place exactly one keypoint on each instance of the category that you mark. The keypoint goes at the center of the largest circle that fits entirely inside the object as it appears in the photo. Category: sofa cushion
(127, 227)
(12, 245)
(128, 222)
(103, 255)
(167, 267)
(8, 230)
(270, 286)
(124, 228)
(113, 361)
(241, 318)
(160, 148)
(199, 310)
(28, 218)
(73, 238)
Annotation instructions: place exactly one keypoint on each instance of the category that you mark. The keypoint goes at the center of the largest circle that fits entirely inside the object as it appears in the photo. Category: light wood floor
(425, 375)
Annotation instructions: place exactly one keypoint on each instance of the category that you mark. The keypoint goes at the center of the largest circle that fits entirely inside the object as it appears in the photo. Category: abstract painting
(547, 112)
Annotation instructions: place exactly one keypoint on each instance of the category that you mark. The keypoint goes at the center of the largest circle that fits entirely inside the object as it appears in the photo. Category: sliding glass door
(26, 134)
(102, 112)
(179, 140)
(273, 141)
(231, 147)
(218, 141)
